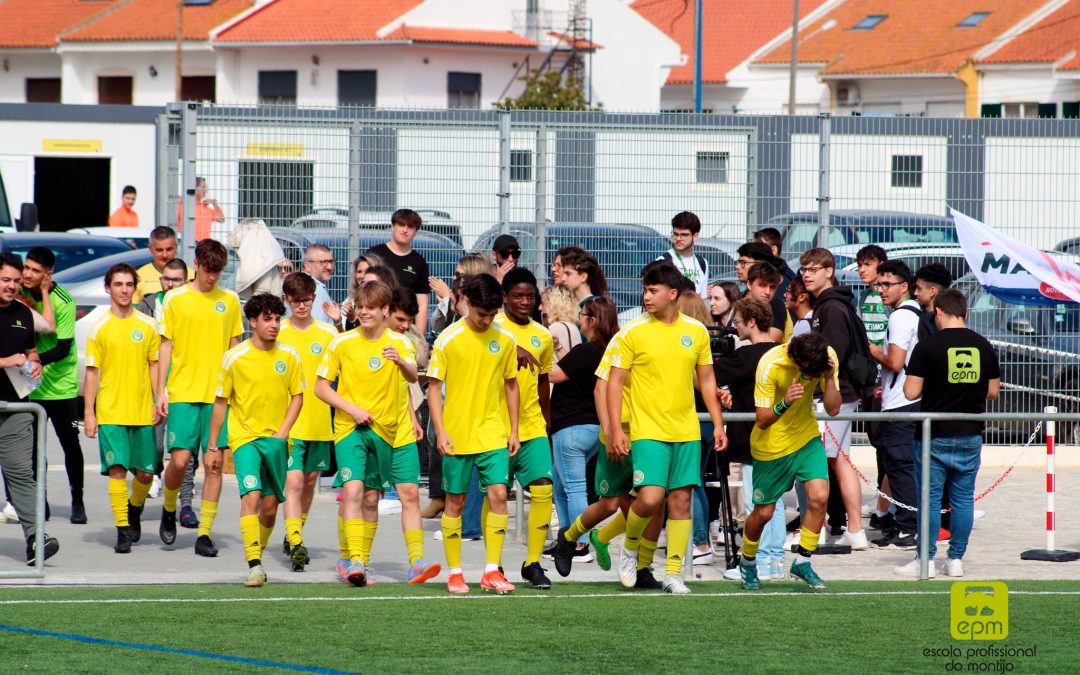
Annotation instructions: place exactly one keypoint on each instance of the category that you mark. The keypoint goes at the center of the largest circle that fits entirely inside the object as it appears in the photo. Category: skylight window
(973, 19)
(870, 22)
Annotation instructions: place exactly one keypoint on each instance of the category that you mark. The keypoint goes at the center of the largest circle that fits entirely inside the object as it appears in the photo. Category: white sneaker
(554, 521)
(714, 532)
(389, 506)
(765, 572)
(856, 540)
(661, 541)
(952, 568)
(776, 571)
(256, 577)
(628, 567)
(674, 584)
(979, 514)
(9, 513)
(868, 508)
(793, 539)
(911, 569)
(437, 535)
(703, 557)
(733, 574)
(155, 488)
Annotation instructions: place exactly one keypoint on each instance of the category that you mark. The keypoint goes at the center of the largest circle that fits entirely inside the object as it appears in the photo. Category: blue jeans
(470, 514)
(700, 502)
(572, 448)
(954, 460)
(771, 544)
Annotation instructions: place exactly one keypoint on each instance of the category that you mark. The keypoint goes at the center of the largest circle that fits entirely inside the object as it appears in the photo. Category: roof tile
(499, 38)
(153, 20)
(38, 23)
(317, 21)
(1051, 39)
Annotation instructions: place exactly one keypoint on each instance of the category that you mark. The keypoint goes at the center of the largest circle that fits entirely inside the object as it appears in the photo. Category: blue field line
(171, 650)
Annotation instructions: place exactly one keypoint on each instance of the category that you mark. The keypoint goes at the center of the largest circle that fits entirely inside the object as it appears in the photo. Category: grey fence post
(354, 190)
(824, 144)
(188, 147)
(924, 503)
(541, 202)
(504, 171)
(161, 170)
(752, 223)
(41, 443)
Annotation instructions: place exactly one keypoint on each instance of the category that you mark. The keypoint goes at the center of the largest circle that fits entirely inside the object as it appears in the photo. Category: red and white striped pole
(1050, 553)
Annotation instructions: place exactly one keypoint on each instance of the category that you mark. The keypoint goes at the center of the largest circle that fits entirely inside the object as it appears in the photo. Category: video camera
(722, 340)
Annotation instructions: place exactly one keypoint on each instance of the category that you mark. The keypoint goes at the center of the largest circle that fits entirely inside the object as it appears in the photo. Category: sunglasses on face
(514, 253)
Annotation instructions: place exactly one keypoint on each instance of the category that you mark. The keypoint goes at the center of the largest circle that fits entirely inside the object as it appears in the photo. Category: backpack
(701, 262)
(860, 368)
(927, 327)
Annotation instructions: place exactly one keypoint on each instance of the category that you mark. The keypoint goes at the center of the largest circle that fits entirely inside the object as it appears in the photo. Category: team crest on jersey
(137, 335)
(172, 438)
(279, 367)
(686, 341)
(535, 341)
(603, 486)
(494, 347)
(758, 495)
(250, 481)
(290, 462)
(316, 348)
(109, 457)
(346, 473)
(639, 476)
(374, 363)
(220, 307)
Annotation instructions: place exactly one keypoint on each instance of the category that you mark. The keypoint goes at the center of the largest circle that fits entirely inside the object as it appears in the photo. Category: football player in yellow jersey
(312, 437)
(121, 371)
(199, 323)
(401, 468)
(785, 445)
(261, 384)
(477, 361)
(532, 464)
(660, 356)
(367, 363)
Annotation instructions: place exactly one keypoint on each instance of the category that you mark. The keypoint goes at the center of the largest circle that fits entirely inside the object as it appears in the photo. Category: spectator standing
(762, 280)
(722, 297)
(954, 370)
(319, 265)
(59, 359)
(557, 263)
(834, 317)
(207, 211)
(583, 276)
(771, 237)
(410, 266)
(871, 306)
(163, 247)
(893, 439)
(755, 252)
(800, 303)
(17, 429)
(560, 312)
(685, 231)
(446, 310)
(125, 215)
(505, 253)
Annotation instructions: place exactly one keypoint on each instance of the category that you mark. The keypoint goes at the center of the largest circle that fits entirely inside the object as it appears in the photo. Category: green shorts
(260, 465)
(356, 451)
(774, 477)
(668, 465)
(189, 427)
(396, 466)
(131, 447)
(310, 456)
(532, 462)
(493, 465)
(613, 479)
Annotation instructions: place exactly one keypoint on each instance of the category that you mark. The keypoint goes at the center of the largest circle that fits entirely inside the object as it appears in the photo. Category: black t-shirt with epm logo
(956, 365)
(411, 268)
(16, 336)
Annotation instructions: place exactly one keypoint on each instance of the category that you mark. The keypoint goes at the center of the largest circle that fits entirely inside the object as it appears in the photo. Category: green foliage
(550, 90)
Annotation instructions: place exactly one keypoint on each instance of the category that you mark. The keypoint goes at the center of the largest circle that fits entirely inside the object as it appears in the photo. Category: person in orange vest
(125, 216)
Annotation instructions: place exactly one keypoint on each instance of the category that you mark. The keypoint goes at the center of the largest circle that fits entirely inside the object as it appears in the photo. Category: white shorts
(836, 434)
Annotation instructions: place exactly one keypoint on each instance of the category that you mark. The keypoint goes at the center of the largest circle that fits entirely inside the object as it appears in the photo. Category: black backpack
(860, 368)
(927, 326)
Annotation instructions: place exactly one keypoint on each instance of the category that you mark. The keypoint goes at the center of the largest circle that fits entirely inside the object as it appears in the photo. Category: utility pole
(697, 56)
(794, 58)
(179, 50)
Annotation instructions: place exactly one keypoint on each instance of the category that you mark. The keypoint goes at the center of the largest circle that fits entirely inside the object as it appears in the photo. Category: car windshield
(71, 255)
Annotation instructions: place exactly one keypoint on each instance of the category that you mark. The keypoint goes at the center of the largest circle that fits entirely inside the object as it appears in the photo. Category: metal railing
(38, 571)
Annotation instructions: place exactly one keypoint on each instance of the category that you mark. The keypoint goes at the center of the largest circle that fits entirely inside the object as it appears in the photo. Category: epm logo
(980, 610)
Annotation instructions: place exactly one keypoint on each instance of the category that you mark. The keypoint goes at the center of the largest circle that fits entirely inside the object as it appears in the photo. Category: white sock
(491, 567)
(800, 559)
(880, 514)
(455, 570)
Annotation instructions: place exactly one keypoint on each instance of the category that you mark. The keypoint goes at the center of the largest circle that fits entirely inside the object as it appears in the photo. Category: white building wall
(762, 89)
(930, 96)
(1026, 85)
(18, 66)
(82, 67)
(632, 65)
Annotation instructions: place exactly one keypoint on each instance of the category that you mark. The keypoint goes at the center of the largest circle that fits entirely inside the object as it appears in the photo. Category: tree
(548, 91)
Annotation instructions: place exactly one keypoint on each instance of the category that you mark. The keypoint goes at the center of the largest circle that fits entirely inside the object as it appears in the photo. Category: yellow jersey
(535, 339)
(367, 379)
(314, 423)
(662, 359)
(796, 427)
(259, 385)
(122, 351)
(474, 367)
(603, 372)
(150, 281)
(200, 326)
(405, 433)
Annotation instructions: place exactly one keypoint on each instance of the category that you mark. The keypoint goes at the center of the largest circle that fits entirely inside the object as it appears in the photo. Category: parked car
(622, 249)
(337, 217)
(136, 237)
(721, 255)
(1071, 245)
(914, 255)
(70, 249)
(851, 226)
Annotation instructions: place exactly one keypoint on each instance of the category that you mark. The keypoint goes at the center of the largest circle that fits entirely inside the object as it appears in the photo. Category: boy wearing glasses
(312, 435)
(893, 439)
(685, 231)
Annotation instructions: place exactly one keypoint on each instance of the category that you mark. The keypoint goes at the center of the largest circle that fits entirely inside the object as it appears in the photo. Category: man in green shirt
(59, 359)
(871, 308)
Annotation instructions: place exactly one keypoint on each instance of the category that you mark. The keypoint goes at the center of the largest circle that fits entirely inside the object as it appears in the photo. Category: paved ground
(1014, 522)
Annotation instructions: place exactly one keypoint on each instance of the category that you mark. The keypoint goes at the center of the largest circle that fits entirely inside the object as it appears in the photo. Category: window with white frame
(907, 171)
(712, 167)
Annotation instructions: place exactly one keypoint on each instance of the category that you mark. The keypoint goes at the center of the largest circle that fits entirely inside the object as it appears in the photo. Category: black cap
(503, 242)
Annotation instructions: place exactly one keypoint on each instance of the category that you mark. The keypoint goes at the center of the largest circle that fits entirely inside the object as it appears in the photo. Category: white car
(136, 237)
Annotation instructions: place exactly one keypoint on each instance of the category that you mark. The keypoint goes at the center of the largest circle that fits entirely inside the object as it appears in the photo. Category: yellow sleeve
(547, 354)
(764, 385)
(328, 369)
(93, 351)
(167, 316)
(509, 365)
(704, 357)
(408, 352)
(623, 356)
(225, 382)
(155, 346)
(436, 368)
(238, 323)
(296, 378)
(603, 371)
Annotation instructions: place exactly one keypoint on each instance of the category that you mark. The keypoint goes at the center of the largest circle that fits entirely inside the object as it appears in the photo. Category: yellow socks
(303, 521)
(365, 544)
(139, 490)
(646, 551)
(539, 522)
(635, 527)
(249, 532)
(206, 517)
(451, 534)
(342, 541)
(354, 533)
(749, 546)
(170, 496)
(118, 500)
(414, 543)
(615, 527)
(807, 539)
(264, 534)
(678, 537)
(485, 509)
(495, 535)
(574, 532)
(293, 527)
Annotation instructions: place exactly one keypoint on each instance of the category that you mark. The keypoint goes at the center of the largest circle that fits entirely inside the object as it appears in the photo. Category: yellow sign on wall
(275, 149)
(70, 145)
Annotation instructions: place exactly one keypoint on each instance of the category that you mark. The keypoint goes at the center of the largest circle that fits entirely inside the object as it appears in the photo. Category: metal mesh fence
(611, 183)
